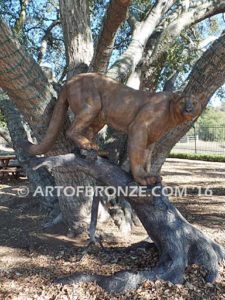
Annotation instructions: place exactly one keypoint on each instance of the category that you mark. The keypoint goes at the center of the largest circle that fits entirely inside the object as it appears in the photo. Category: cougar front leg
(138, 154)
(149, 151)
(77, 130)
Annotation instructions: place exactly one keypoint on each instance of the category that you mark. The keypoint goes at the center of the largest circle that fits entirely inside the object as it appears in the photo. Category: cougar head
(189, 107)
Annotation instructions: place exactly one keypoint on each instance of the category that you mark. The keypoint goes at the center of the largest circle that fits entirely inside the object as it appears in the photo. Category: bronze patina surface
(97, 100)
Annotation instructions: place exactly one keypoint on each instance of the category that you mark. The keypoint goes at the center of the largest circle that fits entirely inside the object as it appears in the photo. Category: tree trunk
(25, 83)
(77, 35)
(206, 77)
(40, 178)
(179, 243)
(79, 49)
(79, 53)
(28, 87)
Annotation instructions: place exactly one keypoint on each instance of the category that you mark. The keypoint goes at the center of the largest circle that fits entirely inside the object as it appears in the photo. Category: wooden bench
(15, 171)
(10, 166)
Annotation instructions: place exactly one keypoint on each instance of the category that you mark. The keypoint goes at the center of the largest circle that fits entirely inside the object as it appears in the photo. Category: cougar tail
(54, 127)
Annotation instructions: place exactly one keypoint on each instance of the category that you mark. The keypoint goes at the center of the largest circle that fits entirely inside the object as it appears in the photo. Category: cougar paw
(146, 179)
(150, 180)
(89, 146)
(94, 147)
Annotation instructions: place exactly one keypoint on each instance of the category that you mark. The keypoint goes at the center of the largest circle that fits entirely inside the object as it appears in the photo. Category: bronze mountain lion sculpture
(97, 100)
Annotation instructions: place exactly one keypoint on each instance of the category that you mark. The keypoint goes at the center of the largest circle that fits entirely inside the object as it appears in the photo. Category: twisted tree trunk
(179, 243)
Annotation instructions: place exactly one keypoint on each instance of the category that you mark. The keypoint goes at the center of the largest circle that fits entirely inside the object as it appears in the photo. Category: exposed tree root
(176, 255)
(179, 243)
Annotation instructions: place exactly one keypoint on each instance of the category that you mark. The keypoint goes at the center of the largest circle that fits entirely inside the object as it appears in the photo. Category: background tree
(152, 45)
(210, 125)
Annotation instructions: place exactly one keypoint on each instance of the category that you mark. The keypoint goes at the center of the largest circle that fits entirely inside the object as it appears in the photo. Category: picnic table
(9, 165)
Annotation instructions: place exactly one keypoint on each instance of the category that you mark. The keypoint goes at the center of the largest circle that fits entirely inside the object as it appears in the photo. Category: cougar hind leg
(79, 127)
(92, 131)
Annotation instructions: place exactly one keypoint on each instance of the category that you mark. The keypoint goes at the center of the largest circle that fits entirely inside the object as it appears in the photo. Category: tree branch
(206, 77)
(195, 13)
(18, 71)
(115, 15)
(132, 21)
(128, 61)
(27, 86)
(22, 16)
(99, 169)
(44, 42)
(169, 84)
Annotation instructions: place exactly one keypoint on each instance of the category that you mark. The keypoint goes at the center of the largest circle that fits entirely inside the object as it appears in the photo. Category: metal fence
(203, 140)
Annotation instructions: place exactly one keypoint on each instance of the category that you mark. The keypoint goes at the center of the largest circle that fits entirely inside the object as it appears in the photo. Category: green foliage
(210, 126)
(204, 157)
(185, 51)
(180, 58)
(211, 117)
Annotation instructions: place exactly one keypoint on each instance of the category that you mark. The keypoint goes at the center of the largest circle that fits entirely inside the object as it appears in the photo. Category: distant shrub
(193, 156)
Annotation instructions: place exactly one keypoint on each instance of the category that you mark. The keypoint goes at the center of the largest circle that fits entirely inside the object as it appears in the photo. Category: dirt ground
(30, 259)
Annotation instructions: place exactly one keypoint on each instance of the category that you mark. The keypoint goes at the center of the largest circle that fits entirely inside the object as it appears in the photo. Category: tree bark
(77, 39)
(186, 17)
(25, 83)
(44, 42)
(128, 61)
(40, 178)
(115, 15)
(79, 53)
(77, 35)
(179, 243)
(206, 77)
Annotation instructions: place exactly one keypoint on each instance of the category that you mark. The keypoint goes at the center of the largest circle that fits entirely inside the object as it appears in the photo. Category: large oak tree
(141, 61)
